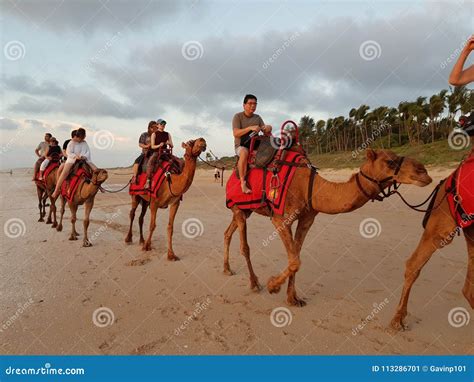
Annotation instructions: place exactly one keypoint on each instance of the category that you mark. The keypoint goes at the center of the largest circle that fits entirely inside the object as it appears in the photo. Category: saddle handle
(282, 129)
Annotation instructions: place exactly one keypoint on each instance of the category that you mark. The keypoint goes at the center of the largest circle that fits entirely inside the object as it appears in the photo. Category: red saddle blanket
(156, 182)
(462, 181)
(270, 191)
(68, 188)
(51, 166)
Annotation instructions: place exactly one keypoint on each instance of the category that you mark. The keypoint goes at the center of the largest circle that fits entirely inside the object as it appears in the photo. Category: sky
(111, 66)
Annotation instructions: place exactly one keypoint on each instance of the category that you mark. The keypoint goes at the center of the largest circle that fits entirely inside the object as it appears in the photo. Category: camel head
(194, 148)
(99, 176)
(385, 165)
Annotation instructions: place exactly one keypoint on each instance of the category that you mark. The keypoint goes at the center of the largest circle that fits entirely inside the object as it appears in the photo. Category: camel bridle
(383, 193)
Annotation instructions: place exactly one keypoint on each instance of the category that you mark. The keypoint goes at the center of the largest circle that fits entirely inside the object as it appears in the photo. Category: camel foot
(255, 286)
(295, 301)
(86, 243)
(76, 233)
(146, 246)
(397, 323)
(172, 257)
(468, 293)
(227, 271)
(142, 241)
(59, 228)
(54, 225)
(272, 285)
(128, 239)
(73, 237)
(40, 220)
(49, 221)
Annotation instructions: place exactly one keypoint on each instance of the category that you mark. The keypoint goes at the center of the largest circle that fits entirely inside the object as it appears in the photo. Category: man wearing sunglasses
(245, 125)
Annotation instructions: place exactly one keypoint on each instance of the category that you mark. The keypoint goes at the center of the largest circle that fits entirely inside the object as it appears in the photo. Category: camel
(85, 194)
(440, 231)
(44, 190)
(169, 195)
(383, 167)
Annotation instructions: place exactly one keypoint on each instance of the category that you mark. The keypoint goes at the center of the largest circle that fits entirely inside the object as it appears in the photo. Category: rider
(159, 139)
(77, 149)
(460, 76)
(144, 144)
(40, 151)
(53, 154)
(66, 142)
(244, 125)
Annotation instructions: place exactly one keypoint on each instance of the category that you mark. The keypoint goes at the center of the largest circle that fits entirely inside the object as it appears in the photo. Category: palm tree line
(417, 122)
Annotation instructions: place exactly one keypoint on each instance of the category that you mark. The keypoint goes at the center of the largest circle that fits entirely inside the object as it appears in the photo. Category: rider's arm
(459, 76)
(238, 131)
(170, 141)
(142, 143)
(152, 142)
(69, 150)
(85, 151)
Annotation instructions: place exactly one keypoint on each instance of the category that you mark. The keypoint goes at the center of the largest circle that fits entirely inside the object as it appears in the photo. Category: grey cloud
(8, 124)
(90, 15)
(26, 84)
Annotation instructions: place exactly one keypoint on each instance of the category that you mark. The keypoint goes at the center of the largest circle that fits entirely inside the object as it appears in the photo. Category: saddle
(80, 170)
(460, 189)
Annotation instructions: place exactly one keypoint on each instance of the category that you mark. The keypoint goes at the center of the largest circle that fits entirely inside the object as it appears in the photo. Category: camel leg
(468, 289)
(87, 213)
(241, 221)
(153, 208)
(173, 210)
(39, 191)
(135, 201)
(439, 232)
(284, 230)
(304, 224)
(73, 208)
(141, 218)
(227, 239)
(59, 228)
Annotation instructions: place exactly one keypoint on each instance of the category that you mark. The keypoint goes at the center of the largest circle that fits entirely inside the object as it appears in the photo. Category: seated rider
(66, 142)
(460, 76)
(40, 151)
(158, 141)
(144, 144)
(77, 149)
(245, 125)
(53, 154)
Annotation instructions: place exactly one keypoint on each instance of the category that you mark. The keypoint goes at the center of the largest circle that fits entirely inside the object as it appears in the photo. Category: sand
(60, 298)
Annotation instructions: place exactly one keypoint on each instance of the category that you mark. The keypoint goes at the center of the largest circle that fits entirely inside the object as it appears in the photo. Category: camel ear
(371, 155)
(183, 145)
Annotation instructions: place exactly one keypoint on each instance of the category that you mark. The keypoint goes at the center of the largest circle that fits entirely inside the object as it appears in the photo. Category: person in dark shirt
(144, 144)
(53, 154)
(160, 139)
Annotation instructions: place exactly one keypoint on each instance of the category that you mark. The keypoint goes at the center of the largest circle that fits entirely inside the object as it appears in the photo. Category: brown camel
(44, 190)
(85, 194)
(382, 166)
(440, 231)
(169, 195)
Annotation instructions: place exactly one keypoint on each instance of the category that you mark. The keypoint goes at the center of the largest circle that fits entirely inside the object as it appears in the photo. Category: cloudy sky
(113, 65)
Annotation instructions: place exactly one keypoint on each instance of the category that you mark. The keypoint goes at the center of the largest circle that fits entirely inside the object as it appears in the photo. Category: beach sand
(60, 298)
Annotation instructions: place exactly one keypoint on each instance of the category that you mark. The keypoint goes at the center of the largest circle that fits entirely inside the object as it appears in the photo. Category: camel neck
(334, 197)
(181, 182)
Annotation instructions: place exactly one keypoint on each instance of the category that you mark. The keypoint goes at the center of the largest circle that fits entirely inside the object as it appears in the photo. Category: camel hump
(77, 166)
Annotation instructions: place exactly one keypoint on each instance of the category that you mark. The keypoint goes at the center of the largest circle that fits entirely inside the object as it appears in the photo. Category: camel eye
(391, 163)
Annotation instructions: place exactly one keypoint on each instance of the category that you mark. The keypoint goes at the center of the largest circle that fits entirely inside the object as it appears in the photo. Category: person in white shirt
(77, 149)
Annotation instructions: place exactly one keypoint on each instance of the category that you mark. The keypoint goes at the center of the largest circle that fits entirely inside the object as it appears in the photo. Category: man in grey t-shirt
(245, 125)
(40, 152)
